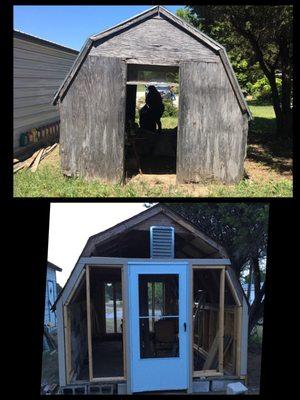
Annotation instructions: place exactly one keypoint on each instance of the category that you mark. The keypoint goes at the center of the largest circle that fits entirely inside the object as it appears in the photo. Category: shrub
(261, 89)
(170, 110)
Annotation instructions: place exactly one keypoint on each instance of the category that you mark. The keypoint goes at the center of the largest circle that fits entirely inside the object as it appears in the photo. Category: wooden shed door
(108, 82)
(199, 85)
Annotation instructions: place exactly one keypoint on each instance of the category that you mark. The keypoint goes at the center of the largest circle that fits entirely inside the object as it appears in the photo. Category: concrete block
(107, 389)
(94, 389)
(236, 388)
(220, 385)
(80, 390)
(122, 388)
(200, 386)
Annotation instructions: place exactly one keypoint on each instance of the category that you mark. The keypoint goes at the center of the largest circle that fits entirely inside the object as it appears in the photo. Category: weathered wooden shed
(152, 304)
(99, 92)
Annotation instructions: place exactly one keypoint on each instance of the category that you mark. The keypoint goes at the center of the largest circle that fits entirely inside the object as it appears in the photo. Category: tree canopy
(242, 229)
(259, 42)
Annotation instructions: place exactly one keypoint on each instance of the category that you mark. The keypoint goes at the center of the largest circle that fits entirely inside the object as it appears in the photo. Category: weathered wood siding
(39, 70)
(93, 120)
(212, 132)
(154, 40)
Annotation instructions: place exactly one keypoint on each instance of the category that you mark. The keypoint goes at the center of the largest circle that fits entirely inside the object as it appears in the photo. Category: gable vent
(161, 242)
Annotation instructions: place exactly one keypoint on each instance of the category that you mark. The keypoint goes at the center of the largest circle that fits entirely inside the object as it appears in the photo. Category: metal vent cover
(161, 242)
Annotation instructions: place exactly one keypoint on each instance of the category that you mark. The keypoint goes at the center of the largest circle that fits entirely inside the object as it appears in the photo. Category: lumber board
(37, 161)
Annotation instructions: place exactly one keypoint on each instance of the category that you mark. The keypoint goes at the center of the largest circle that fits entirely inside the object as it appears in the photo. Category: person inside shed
(155, 105)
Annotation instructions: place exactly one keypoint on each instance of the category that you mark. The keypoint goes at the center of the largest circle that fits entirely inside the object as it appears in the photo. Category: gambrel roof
(130, 224)
(154, 12)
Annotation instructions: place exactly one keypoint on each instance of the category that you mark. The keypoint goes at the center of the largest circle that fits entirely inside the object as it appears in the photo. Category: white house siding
(39, 69)
(50, 316)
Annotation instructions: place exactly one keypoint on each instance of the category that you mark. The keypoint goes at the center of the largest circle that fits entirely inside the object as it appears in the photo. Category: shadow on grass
(266, 148)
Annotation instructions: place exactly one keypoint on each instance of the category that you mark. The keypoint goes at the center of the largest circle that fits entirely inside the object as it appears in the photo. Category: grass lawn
(268, 172)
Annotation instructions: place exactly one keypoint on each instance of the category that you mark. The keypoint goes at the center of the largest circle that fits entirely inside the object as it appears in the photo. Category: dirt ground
(50, 367)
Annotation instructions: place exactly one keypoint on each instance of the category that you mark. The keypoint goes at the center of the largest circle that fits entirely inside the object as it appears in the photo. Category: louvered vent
(161, 242)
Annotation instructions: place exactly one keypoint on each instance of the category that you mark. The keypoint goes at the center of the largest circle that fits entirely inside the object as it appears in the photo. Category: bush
(261, 89)
(170, 110)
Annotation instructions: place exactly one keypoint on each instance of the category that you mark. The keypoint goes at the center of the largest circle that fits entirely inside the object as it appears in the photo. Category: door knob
(184, 326)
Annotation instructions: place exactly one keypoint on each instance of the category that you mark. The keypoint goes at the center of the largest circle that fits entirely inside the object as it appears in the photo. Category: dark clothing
(155, 103)
(156, 107)
(147, 121)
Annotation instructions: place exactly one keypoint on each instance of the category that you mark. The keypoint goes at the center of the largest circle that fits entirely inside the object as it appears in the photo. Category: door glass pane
(158, 315)
(109, 307)
(119, 306)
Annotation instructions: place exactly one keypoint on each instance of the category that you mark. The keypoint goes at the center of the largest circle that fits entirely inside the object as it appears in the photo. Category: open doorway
(215, 324)
(106, 312)
(94, 327)
(148, 149)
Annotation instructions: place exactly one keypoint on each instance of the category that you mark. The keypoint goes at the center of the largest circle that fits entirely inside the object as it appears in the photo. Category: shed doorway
(147, 149)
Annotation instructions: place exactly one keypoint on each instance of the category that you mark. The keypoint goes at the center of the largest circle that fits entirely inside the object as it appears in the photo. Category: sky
(70, 26)
(71, 224)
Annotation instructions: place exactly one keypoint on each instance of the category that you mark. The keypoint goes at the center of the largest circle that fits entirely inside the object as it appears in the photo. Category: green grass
(48, 180)
(249, 188)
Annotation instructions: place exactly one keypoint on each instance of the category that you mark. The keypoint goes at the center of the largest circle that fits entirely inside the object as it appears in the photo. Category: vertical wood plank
(238, 340)
(115, 308)
(67, 344)
(89, 326)
(221, 321)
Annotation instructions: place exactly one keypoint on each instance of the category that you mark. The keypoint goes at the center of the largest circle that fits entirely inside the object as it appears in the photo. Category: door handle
(184, 327)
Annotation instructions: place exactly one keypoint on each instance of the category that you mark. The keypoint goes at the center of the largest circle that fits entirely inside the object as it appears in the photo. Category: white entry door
(158, 326)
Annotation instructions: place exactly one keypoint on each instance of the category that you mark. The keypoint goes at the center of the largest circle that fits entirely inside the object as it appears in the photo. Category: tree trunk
(287, 115)
(256, 275)
(250, 280)
(256, 309)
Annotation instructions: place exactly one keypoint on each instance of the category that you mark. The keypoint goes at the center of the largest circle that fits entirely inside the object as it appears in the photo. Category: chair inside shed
(206, 309)
(147, 150)
(106, 316)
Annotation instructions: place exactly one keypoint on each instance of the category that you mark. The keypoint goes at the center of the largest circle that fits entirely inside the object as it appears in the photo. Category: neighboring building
(152, 304)
(39, 69)
(50, 296)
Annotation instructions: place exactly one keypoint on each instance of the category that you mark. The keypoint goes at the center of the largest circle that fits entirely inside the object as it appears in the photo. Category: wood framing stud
(221, 321)
(89, 326)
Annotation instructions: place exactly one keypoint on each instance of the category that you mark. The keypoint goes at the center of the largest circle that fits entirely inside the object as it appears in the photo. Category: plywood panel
(93, 120)
(212, 131)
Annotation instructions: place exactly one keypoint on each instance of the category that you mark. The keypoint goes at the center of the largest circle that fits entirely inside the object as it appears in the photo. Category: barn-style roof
(157, 11)
(106, 239)
(201, 241)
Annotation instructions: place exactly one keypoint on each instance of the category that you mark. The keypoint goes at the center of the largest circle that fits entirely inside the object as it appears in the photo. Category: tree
(243, 231)
(264, 35)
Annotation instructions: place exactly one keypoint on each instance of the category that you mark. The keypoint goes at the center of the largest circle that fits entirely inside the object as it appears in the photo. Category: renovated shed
(152, 304)
(97, 100)
(39, 69)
